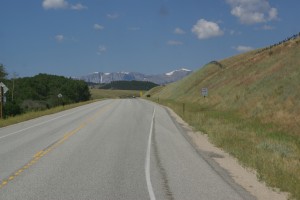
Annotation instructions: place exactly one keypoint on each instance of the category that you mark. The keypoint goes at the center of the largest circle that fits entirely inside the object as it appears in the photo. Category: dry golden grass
(252, 111)
(96, 95)
(113, 94)
(274, 154)
(36, 114)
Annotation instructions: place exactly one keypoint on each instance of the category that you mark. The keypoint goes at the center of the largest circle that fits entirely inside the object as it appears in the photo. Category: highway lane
(99, 151)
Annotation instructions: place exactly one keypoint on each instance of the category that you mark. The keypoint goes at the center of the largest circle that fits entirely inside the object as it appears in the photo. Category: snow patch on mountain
(101, 77)
(178, 70)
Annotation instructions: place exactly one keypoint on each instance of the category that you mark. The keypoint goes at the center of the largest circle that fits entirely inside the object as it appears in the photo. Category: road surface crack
(161, 169)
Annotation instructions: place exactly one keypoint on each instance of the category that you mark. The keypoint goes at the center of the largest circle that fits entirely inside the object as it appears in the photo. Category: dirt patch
(244, 177)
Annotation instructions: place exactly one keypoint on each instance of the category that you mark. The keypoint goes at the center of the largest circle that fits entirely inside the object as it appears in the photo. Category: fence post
(1, 102)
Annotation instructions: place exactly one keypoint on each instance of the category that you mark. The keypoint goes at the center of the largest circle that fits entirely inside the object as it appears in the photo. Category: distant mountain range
(101, 77)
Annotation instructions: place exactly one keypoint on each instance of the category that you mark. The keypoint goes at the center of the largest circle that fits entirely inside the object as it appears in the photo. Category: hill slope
(252, 109)
(263, 84)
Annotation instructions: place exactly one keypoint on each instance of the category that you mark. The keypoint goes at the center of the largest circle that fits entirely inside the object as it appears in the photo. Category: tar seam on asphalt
(161, 169)
(242, 192)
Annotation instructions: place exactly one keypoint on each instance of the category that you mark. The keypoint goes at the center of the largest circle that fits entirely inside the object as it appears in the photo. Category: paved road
(113, 149)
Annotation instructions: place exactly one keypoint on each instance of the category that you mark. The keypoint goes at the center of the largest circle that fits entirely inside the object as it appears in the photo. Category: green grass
(252, 110)
(36, 114)
(97, 94)
(273, 153)
(112, 94)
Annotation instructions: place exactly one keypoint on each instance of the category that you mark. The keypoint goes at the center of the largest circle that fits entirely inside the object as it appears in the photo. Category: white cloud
(179, 31)
(242, 48)
(267, 27)
(78, 6)
(112, 16)
(62, 4)
(273, 13)
(55, 4)
(59, 38)
(98, 27)
(206, 29)
(174, 43)
(101, 49)
(252, 11)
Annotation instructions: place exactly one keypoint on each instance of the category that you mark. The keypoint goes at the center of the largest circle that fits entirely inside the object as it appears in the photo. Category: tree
(11, 108)
(3, 73)
(40, 92)
(13, 85)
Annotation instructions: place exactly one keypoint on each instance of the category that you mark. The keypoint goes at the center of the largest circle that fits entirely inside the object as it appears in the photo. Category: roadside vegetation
(96, 95)
(41, 92)
(113, 94)
(35, 114)
(32, 97)
(121, 89)
(252, 109)
(128, 85)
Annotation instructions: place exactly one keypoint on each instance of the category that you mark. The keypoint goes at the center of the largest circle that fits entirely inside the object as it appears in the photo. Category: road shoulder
(242, 176)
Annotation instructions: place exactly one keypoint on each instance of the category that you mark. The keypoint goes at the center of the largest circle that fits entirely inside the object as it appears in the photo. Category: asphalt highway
(112, 149)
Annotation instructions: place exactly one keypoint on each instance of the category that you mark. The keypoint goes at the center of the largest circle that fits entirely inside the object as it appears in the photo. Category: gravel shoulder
(242, 176)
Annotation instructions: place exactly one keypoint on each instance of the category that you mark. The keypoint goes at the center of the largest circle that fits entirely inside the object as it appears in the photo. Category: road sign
(5, 89)
(204, 92)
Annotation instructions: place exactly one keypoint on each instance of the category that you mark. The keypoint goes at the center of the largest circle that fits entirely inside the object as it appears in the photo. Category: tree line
(129, 85)
(40, 92)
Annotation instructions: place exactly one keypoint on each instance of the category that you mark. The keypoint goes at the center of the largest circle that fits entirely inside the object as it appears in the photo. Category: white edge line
(19, 131)
(147, 164)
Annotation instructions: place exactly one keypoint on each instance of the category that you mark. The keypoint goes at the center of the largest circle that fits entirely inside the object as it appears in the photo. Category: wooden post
(1, 102)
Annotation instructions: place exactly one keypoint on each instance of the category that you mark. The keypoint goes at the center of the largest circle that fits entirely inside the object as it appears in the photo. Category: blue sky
(78, 37)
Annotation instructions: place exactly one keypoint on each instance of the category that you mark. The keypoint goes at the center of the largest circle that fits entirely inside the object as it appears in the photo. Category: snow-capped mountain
(178, 70)
(169, 77)
(101, 77)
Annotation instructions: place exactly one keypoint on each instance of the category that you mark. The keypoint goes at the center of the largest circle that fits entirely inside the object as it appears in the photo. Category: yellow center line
(38, 154)
(44, 152)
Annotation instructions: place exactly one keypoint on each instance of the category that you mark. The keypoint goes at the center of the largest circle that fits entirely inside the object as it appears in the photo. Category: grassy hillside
(252, 109)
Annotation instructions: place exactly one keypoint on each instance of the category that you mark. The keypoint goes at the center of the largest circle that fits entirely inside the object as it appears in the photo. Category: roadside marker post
(1, 102)
(60, 100)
